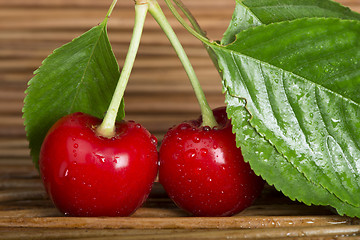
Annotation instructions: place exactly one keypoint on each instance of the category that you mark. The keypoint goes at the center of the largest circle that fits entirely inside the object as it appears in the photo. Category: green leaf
(79, 76)
(301, 81)
(266, 161)
(250, 13)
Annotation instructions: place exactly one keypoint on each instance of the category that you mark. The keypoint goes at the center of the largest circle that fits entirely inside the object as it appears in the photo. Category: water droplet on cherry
(153, 140)
(191, 154)
(184, 126)
(206, 128)
(203, 151)
(196, 139)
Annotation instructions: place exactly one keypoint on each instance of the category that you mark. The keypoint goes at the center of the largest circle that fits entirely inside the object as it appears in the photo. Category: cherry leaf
(266, 161)
(80, 76)
(250, 13)
(300, 80)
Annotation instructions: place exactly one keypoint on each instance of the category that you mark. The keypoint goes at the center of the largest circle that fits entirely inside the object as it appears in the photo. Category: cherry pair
(200, 167)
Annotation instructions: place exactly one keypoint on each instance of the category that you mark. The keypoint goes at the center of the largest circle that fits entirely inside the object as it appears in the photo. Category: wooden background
(158, 96)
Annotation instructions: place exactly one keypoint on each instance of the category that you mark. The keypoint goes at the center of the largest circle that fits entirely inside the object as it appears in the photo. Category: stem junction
(107, 127)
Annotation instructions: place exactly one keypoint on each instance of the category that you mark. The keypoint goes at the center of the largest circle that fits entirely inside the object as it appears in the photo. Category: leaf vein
(86, 68)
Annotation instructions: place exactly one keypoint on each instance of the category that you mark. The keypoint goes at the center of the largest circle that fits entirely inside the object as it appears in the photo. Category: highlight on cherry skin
(88, 175)
(204, 172)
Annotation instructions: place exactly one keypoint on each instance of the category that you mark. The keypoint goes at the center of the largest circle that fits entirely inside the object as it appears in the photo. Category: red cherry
(89, 175)
(204, 172)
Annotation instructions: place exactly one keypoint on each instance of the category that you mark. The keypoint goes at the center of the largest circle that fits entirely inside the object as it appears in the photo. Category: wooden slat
(177, 222)
(304, 233)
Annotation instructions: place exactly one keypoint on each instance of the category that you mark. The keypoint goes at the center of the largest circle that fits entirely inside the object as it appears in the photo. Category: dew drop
(76, 145)
(203, 152)
(184, 126)
(206, 128)
(335, 122)
(196, 139)
(191, 154)
(175, 156)
(137, 125)
(153, 140)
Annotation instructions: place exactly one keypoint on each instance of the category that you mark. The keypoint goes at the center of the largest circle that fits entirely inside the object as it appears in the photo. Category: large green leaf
(79, 76)
(266, 161)
(301, 81)
(250, 13)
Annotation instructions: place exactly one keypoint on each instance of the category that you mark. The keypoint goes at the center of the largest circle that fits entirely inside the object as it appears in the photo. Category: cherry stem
(107, 127)
(187, 13)
(110, 10)
(198, 32)
(195, 25)
(206, 112)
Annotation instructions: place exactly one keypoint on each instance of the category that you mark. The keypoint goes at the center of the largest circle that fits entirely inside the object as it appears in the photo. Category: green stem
(198, 34)
(195, 25)
(188, 15)
(206, 112)
(107, 127)
(110, 10)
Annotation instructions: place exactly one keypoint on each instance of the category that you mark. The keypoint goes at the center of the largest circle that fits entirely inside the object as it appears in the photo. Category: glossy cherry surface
(88, 175)
(204, 172)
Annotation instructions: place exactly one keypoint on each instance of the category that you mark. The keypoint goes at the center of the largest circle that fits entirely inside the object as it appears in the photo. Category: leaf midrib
(319, 86)
(103, 26)
(222, 48)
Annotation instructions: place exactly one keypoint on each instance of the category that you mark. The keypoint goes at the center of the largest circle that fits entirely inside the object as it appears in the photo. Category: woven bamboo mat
(158, 96)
